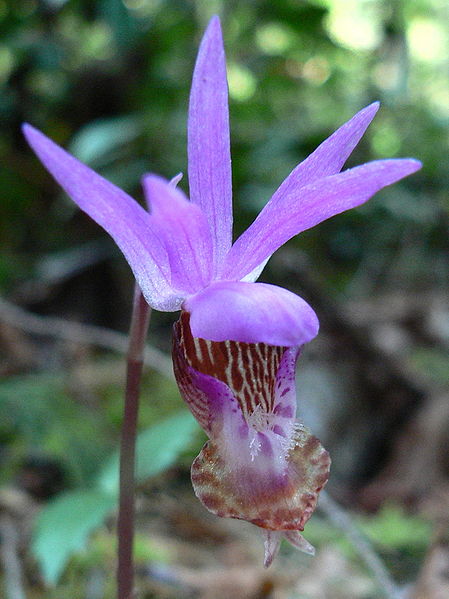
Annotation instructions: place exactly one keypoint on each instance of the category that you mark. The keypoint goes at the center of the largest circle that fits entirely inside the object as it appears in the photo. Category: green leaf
(37, 412)
(99, 138)
(393, 527)
(125, 28)
(64, 526)
(157, 448)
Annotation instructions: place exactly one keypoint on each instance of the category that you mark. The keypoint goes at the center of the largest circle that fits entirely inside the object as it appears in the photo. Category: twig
(338, 516)
(139, 326)
(51, 326)
(10, 559)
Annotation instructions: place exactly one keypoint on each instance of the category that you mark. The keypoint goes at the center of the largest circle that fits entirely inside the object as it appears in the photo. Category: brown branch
(51, 326)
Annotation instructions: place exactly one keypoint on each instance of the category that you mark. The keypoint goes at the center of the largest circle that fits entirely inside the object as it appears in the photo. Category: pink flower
(237, 341)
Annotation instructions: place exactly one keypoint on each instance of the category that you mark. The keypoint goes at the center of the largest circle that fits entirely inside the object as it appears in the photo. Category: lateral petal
(209, 157)
(300, 209)
(251, 313)
(185, 231)
(122, 217)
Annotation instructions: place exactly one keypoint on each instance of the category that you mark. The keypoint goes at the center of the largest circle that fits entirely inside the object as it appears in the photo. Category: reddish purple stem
(125, 530)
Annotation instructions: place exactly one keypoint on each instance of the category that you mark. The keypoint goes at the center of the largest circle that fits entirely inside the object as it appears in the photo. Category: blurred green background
(109, 80)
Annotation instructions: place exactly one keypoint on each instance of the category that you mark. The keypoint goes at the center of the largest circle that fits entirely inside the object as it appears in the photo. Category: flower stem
(125, 529)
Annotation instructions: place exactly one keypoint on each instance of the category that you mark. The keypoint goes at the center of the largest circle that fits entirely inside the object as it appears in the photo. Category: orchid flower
(237, 341)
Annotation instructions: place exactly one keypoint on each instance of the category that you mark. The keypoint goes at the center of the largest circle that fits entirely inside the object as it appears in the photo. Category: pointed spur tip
(299, 542)
(272, 541)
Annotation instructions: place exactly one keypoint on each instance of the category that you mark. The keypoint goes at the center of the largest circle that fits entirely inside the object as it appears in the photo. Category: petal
(205, 371)
(124, 219)
(244, 428)
(252, 313)
(260, 464)
(242, 443)
(208, 140)
(255, 490)
(260, 377)
(299, 210)
(185, 232)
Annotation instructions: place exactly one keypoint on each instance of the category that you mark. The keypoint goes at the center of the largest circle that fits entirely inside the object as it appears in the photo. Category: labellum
(260, 464)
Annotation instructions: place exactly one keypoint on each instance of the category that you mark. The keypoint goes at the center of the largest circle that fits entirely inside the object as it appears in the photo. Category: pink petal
(260, 464)
(208, 140)
(252, 313)
(128, 223)
(307, 206)
(248, 443)
(185, 232)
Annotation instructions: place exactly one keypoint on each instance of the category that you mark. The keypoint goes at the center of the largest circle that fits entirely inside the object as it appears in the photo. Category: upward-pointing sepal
(208, 142)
